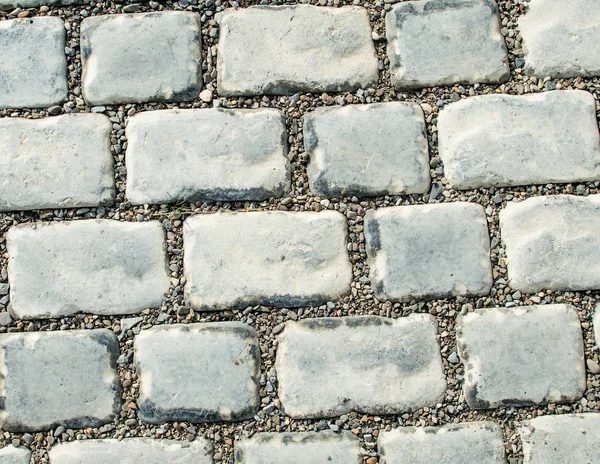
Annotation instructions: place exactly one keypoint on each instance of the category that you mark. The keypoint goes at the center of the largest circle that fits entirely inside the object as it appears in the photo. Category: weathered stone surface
(467, 443)
(12, 455)
(12, 4)
(430, 251)
(214, 154)
(506, 140)
(441, 42)
(64, 378)
(521, 356)
(302, 48)
(198, 372)
(141, 57)
(93, 266)
(58, 162)
(552, 242)
(33, 66)
(235, 260)
(377, 149)
(331, 366)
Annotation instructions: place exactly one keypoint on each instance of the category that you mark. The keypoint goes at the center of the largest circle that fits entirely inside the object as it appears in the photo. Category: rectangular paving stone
(9, 5)
(428, 251)
(198, 372)
(66, 378)
(362, 150)
(442, 42)
(213, 154)
(327, 367)
(521, 356)
(281, 50)
(289, 259)
(93, 266)
(12, 455)
(56, 162)
(144, 57)
(506, 140)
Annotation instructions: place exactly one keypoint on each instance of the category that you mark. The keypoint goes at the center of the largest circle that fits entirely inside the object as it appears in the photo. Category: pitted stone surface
(441, 42)
(430, 251)
(93, 266)
(141, 57)
(12, 455)
(281, 50)
(235, 260)
(33, 66)
(214, 154)
(521, 356)
(57, 162)
(368, 364)
(552, 243)
(198, 372)
(506, 140)
(377, 149)
(64, 378)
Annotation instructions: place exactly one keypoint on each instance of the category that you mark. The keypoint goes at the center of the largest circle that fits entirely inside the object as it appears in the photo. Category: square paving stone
(12, 455)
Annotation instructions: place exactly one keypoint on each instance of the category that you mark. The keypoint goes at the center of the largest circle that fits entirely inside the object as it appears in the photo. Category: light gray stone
(441, 42)
(331, 366)
(213, 154)
(66, 378)
(281, 50)
(235, 260)
(12, 4)
(141, 57)
(12, 455)
(93, 266)
(521, 356)
(377, 149)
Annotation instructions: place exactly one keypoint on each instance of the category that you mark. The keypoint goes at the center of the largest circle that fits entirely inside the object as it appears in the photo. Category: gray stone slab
(93, 266)
(521, 356)
(66, 378)
(235, 260)
(214, 154)
(12, 455)
(141, 57)
(430, 251)
(33, 65)
(362, 150)
(327, 367)
(198, 372)
(9, 5)
(441, 42)
(281, 50)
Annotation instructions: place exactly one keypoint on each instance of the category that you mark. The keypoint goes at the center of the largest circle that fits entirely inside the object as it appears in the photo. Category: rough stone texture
(57, 162)
(429, 251)
(12, 455)
(64, 378)
(141, 57)
(596, 324)
(331, 366)
(214, 154)
(198, 372)
(377, 149)
(12, 4)
(235, 260)
(281, 50)
(440, 42)
(507, 140)
(33, 66)
(94, 266)
(521, 356)
(552, 242)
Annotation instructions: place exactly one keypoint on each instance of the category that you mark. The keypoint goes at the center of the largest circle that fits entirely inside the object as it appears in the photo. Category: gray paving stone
(521, 356)
(93, 266)
(214, 154)
(64, 378)
(430, 251)
(198, 372)
(377, 149)
(441, 42)
(327, 367)
(141, 57)
(58, 162)
(12, 455)
(287, 49)
(12, 4)
(235, 260)
(33, 65)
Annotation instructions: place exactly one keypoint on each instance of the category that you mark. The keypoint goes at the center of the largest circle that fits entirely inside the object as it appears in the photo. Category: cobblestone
(12, 455)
